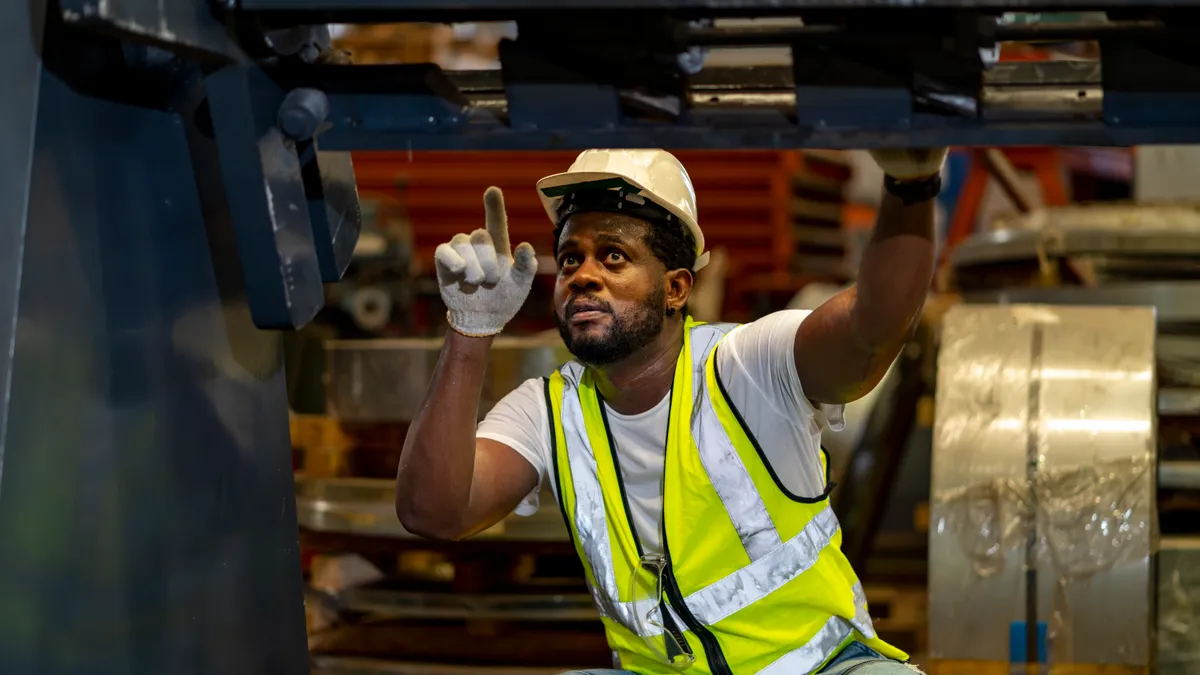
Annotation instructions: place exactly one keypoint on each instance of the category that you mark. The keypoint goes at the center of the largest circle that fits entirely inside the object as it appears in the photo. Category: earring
(670, 311)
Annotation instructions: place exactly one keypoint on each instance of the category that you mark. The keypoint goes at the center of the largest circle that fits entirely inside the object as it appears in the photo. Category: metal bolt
(302, 112)
(309, 53)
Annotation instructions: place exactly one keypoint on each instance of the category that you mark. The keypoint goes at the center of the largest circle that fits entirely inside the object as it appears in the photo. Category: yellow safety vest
(753, 578)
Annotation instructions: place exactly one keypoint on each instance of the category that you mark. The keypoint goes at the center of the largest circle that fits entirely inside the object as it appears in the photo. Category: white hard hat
(636, 175)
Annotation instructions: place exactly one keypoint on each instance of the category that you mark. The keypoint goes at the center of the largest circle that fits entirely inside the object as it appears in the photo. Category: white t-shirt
(758, 367)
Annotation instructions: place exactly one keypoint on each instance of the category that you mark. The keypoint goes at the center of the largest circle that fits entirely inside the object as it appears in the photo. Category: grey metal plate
(361, 375)
(491, 606)
(1179, 402)
(1072, 390)
(337, 216)
(269, 205)
(739, 108)
(366, 506)
(147, 521)
(780, 80)
(1026, 73)
(1005, 245)
(1179, 475)
(1174, 302)
(1179, 359)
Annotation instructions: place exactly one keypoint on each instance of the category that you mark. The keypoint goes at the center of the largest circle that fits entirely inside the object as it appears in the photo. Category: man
(685, 457)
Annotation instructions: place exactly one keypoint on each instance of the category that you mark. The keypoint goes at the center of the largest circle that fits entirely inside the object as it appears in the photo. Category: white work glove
(484, 284)
(909, 164)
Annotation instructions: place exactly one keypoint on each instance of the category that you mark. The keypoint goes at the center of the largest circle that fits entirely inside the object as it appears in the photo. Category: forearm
(433, 482)
(858, 333)
(894, 275)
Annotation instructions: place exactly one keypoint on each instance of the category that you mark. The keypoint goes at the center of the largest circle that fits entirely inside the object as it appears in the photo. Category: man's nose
(587, 277)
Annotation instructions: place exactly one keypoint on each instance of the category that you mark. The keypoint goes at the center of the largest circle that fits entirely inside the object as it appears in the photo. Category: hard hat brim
(568, 178)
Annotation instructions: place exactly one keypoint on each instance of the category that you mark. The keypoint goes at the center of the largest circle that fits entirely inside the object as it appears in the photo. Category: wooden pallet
(411, 643)
(317, 431)
(949, 667)
(327, 447)
(526, 644)
(513, 606)
(900, 617)
(334, 665)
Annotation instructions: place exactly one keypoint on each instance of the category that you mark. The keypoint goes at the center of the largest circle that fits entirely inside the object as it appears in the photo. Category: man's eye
(616, 256)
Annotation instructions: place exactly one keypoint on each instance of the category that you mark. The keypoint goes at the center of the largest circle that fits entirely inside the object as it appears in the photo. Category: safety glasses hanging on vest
(659, 632)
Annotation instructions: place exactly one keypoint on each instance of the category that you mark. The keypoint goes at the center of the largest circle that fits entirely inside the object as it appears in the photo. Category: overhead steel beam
(728, 7)
(586, 75)
(868, 75)
(498, 137)
(826, 34)
(405, 107)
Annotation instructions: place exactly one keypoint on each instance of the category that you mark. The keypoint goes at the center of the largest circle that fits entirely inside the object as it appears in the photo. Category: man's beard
(626, 332)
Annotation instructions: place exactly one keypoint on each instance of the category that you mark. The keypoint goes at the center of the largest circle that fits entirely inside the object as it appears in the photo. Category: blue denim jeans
(860, 659)
(856, 659)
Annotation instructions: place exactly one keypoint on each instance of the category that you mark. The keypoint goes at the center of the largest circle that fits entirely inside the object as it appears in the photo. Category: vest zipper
(717, 664)
(668, 622)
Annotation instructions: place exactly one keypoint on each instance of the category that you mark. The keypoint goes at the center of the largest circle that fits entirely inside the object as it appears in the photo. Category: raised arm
(846, 346)
(450, 485)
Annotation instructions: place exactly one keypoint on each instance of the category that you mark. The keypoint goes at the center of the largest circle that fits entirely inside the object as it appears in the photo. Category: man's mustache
(585, 303)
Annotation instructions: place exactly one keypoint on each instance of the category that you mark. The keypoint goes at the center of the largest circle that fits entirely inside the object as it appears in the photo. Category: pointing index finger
(497, 220)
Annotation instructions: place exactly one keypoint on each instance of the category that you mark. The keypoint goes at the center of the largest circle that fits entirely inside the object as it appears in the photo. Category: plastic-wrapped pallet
(1043, 516)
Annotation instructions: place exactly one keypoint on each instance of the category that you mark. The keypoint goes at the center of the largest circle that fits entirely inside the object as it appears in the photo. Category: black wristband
(914, 192)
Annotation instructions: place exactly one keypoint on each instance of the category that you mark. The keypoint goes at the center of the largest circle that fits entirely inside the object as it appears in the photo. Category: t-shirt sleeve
(520, 421)
(765, 351)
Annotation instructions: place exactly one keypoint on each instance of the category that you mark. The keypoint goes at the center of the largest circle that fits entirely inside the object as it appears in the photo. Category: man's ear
(679, 287)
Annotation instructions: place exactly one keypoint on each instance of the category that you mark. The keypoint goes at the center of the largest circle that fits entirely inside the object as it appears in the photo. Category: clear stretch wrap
(1044, 477)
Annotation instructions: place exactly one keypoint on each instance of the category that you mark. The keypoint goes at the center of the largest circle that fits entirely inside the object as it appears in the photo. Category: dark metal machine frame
(177, 184)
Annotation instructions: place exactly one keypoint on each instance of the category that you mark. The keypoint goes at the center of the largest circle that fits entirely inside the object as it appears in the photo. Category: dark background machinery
(177, 186)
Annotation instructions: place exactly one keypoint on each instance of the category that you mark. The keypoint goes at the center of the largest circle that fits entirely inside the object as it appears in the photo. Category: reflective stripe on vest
(731, 480)
(590, 524)
(812, 655)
